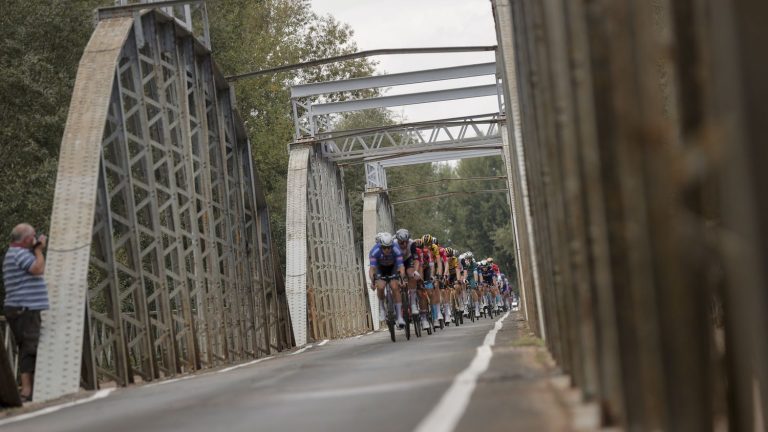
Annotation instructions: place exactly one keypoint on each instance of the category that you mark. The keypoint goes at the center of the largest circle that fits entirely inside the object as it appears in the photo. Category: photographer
(25, 296)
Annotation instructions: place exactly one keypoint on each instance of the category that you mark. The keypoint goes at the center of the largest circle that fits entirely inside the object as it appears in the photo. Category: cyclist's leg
(448, 297)
(435, 299)
(410, 269)
(380, 283)
(394, 284)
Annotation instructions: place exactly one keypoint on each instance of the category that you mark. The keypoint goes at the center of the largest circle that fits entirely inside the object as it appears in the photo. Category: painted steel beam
(405, 99)
(439, 156)
(420, 76)
(362, 54)
(480, 143)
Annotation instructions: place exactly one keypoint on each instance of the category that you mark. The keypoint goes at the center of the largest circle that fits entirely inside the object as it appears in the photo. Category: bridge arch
(160, 250)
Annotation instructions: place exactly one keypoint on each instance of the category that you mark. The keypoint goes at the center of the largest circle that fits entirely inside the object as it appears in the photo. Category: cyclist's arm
(399, 262)
(374, 264)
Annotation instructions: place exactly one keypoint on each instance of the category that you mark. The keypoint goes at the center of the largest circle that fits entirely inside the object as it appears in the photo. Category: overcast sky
(422, 23)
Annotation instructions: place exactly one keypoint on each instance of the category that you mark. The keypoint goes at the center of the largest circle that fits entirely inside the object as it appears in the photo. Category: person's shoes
(414, 309)
(424, 324)
(400, 322)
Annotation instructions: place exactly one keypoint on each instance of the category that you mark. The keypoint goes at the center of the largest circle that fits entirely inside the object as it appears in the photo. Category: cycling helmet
(426, 239)
(418, 242)
(449, 251)
(386, 239)
(378, 238)
(470, 254)
(403, 235)
(490, 260)
(434, 240)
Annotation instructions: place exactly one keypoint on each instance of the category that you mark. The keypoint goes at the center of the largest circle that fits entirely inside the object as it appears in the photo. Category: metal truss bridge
(632, 137)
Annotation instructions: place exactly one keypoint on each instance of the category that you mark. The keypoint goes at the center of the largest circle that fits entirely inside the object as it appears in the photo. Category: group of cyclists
(421, 282)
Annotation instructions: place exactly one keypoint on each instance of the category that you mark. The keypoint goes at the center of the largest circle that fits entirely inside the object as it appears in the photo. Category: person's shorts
(472, 283)
(25, 326)
(488, 280)
(409, 263)
(386, 273)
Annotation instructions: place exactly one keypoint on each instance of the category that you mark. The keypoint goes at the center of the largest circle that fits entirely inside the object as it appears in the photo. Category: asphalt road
(366, 383)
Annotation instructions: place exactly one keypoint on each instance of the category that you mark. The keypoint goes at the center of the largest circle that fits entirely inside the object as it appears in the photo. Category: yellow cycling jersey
(435, 249)
(453, 263)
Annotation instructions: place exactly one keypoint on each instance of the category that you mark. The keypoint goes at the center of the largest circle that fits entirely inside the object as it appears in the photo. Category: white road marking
(301, 350)
(447, 413)
(159, 383)
(361, 390)
(98, 395)
(244, 364)
(323, 342)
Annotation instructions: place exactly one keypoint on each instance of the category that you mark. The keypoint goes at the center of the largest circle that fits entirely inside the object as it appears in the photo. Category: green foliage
(42, 43)
(40, 47)
(249, 35)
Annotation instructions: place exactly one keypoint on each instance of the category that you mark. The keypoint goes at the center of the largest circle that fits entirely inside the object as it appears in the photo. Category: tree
(41, 45)
(268, 34)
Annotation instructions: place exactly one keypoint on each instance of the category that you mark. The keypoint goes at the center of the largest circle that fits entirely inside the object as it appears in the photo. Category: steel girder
(158, 224)
(324, 270)
(514, 159)
(480, 131)
(378, 216)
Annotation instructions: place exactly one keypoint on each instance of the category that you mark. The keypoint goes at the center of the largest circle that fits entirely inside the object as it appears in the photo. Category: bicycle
(389, 306)
(427, 313)
(406, 298)
(458, 314)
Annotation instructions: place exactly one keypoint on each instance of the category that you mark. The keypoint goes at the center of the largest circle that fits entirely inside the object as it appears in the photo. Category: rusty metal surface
(636, 124)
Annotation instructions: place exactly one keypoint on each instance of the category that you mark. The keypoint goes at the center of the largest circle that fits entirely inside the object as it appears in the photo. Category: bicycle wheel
(407, 319)
(417, 326)
(390, 314)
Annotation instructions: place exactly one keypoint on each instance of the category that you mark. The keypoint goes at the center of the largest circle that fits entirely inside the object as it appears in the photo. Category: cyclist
(455, 277)
(490, 276)
(425, 264)
(412, 264)
(436, 270)
(442, 277)
(386, 261)
(471, 276)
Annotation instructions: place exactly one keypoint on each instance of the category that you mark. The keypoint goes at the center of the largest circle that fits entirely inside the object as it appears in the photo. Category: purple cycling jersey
(379, 259)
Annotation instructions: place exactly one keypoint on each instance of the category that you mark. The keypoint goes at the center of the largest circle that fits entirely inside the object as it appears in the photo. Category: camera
(37, 240)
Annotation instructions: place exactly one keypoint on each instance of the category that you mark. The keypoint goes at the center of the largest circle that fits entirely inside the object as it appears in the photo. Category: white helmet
(385, 239)
(403, 235)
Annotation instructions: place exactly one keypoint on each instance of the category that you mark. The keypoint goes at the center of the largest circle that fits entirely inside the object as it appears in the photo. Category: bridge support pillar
(378, 216)
(324, 280)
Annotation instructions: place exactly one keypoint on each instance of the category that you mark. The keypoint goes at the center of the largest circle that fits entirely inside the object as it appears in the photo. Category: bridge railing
(637, 145)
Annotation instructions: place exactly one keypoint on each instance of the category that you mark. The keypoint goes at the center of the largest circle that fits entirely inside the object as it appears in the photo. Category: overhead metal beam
(413, 185)
(404, 99)
(362, 54)
(439, 156)
(419, 76)
(447, 194)
(476, 119)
